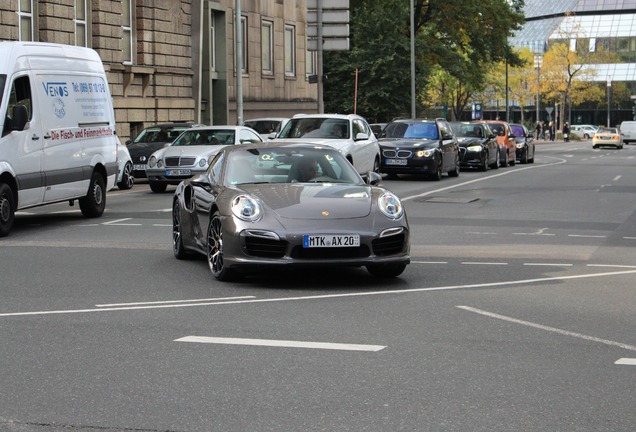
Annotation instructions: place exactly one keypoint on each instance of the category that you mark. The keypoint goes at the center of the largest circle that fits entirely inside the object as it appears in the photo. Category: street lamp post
(609, 89)
(538, 60)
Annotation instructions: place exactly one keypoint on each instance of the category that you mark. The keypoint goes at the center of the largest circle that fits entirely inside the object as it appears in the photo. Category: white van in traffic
(58, 139)
(628, 130)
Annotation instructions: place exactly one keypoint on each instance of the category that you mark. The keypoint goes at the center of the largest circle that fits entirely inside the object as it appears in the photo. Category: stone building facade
(173, 60)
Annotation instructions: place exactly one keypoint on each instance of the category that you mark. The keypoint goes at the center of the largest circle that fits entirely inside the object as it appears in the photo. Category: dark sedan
(150, 140)
(282, 205)
(478, 147)
(419, 146)
(525, 143)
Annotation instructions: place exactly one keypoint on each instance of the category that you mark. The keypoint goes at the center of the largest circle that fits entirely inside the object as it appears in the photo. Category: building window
(311, 60)
(244, 44)
(267, 47)
(25, 15)
(290, 50)
(212, 42)
(81, 38)
(127, 19)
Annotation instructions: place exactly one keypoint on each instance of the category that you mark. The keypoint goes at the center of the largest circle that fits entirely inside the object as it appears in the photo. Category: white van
(628, 130)
(58, 139)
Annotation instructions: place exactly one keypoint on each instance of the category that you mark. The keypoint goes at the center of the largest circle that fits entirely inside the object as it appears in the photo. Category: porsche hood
(314, 200)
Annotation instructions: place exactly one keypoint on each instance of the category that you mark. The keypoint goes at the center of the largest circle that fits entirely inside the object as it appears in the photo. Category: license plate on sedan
(139, 167)
(178, 172)
(331, 240)
(396, 161)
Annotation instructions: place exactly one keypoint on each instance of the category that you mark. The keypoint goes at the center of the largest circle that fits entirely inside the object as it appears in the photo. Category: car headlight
(391, 205)
(203, 162)
(473, 148)
(519, 146)
(152, 162)
(246, 208)
(424, 153)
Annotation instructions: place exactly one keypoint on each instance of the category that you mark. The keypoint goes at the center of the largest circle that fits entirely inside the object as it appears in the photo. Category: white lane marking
(325, 296)
(429, 262)
(482, 233)
(162, 225)
(629, 238)
(549, 264)
(586, 236)
(483, 263)
(617, 178)
(173, 301)
(483, 178)
(626, 361)
(117, 222)
(538, 233)
(281, 343)
(610, 265)
(547, 328)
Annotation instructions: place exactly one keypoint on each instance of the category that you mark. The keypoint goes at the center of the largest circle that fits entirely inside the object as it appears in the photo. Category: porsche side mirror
(373, 178)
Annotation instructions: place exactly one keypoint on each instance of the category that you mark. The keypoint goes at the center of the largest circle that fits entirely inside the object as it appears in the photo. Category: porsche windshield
(287, 165)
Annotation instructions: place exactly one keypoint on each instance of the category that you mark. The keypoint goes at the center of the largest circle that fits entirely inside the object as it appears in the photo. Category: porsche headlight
(391, 205)
(246, 208)
(473, 148)
(424, 153)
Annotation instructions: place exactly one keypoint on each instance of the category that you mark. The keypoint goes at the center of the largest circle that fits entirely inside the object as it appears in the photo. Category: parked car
(267, 127)
(377, 128)
(247, 212)
(585, 131)
(628, 130)
(478, 147)
(191, 153)
(125, 179)
(348, 133)
(607, 137)
(524, 142)
(419, 146)
(506, 140)
(150, 140)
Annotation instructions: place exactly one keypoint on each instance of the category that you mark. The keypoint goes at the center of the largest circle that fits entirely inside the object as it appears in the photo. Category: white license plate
(139, 167)
(178, 172)
(331, 240)
(396, 161)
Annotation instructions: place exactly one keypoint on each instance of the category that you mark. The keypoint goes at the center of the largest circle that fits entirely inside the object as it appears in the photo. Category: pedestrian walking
(538, 130)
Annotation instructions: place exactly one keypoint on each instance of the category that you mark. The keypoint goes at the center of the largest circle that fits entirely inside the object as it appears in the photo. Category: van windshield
(3, 80)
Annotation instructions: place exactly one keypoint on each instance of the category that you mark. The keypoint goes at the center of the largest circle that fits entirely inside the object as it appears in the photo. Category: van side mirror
(20, 117)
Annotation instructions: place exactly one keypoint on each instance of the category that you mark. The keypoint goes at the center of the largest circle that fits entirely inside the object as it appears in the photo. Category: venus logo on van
(55, 88)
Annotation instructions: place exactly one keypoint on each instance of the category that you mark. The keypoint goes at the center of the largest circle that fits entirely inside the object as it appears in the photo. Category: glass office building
(597, 26)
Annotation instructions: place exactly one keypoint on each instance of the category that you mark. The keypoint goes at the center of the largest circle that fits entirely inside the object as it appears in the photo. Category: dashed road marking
(548, 328)
(626, 361)
(281, 343)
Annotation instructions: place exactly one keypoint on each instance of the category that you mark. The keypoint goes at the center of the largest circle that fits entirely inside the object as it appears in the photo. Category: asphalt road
(518, 312)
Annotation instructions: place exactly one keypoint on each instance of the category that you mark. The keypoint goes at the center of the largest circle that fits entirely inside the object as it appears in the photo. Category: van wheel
(94, 203)
(7, 210)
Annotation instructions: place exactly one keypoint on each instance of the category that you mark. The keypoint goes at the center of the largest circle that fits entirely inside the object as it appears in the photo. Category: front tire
(437, 175)
(157, 187)
(94, 203)
(215, 250)
(127, 179)
(386, 270)
(7, 209)
(177, 233)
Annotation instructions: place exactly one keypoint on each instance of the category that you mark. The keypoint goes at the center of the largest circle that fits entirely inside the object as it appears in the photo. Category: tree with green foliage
(459, 37)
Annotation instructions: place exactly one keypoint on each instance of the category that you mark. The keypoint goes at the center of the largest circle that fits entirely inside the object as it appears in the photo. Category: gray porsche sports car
(288, 204)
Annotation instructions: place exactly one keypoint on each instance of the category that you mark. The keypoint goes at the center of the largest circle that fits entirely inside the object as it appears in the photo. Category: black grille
(389, 245)
(264, 247)
(179, 161)
(300, 252)
(404, 153)
(389, 153)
